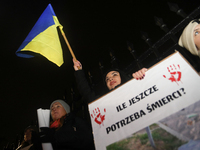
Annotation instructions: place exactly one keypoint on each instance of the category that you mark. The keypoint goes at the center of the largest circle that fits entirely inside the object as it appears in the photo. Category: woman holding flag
(113, 78)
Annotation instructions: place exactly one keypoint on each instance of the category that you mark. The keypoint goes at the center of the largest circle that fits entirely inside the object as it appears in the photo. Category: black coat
(75, 134)
(83, 87)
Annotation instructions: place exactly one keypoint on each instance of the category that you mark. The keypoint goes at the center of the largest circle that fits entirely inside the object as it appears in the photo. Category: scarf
(55, 124)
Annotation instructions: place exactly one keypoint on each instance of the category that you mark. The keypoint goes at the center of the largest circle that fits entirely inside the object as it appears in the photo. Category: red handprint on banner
(175, 73)
(97, 116)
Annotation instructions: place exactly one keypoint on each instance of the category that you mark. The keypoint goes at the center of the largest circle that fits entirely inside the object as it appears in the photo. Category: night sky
(93, 27)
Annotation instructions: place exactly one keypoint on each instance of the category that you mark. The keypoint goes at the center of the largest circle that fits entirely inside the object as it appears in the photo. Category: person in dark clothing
(30, 141)
(66, 132)
(113, 78)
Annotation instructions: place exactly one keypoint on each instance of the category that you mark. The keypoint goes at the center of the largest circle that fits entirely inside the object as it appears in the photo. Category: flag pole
(70, 49)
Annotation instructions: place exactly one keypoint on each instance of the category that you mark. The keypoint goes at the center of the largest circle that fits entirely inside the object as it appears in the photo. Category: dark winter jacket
(75, 134)
(83, 87)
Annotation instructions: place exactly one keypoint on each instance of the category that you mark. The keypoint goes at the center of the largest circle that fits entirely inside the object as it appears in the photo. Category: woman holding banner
(66, 131)
(112, 79)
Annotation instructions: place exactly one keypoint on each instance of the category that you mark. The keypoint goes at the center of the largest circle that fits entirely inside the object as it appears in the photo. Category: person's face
(196, 36)
(57, 111)
(27, 135)
(113, 79)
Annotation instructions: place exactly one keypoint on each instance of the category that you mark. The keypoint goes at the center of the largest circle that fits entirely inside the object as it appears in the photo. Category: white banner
(168, 87)
(43, 121)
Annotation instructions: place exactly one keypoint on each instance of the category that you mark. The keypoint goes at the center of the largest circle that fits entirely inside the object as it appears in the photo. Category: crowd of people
(69, 132)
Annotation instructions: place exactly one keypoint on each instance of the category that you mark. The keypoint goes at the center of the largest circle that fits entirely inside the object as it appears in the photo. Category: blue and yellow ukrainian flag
(44, 39)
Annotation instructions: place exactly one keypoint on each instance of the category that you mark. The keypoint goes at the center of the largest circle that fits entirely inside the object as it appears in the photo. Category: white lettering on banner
(168, 87)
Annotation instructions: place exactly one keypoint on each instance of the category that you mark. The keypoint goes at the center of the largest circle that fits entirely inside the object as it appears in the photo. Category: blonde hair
(186, 39)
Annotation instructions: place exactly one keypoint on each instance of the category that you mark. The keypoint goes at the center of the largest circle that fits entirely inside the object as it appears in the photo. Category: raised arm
(82, 83)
